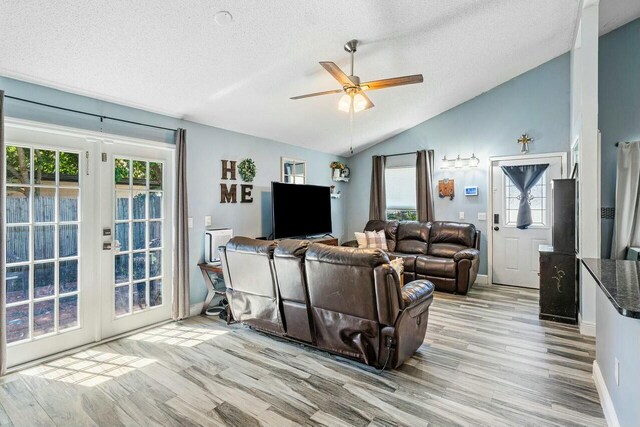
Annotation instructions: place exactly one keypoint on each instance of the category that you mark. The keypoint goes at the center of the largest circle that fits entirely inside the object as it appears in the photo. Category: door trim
(492, 160)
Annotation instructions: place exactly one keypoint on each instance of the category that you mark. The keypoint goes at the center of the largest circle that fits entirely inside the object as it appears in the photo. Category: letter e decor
(229, 192)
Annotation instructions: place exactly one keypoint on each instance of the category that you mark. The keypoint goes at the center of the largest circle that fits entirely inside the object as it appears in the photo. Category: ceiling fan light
(359, 102)
(345, 103)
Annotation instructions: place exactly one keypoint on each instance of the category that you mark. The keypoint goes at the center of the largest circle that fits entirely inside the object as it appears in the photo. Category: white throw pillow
(361, 238)
(376, 239)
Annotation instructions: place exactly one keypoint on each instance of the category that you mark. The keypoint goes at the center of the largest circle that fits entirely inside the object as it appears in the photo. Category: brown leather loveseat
(444, 253)
(344, 300)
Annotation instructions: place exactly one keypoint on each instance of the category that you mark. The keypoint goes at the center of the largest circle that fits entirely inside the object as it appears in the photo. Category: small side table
(213, 276)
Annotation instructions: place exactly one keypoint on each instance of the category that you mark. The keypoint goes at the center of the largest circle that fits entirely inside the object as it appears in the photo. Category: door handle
(496, 228)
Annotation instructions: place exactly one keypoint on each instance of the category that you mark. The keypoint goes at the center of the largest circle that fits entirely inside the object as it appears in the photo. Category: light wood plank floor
(487, 360)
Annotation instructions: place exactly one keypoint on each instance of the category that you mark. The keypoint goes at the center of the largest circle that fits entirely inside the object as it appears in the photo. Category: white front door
(50, 229)
(515, 251)
(136, 194)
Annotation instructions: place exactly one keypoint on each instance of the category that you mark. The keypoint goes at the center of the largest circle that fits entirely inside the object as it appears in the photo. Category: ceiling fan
(354, 98)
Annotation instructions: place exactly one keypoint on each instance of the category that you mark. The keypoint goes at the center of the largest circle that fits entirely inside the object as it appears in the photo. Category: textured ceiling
(171, 57)
(615, 13)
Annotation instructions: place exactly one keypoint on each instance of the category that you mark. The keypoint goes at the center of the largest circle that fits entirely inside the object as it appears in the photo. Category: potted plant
(337, 167)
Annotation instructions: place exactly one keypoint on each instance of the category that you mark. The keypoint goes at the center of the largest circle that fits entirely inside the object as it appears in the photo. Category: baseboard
(195, 309)
(586, 328)
(482, 279)
(605, 398)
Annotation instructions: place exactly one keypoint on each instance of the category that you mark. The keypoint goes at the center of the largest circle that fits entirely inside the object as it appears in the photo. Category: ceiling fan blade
(369, 103)
(309, 95)
(395, 81)
(337, 74)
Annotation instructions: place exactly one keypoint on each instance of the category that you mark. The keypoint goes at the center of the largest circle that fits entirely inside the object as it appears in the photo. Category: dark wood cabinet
(558, 286)
(558, 263)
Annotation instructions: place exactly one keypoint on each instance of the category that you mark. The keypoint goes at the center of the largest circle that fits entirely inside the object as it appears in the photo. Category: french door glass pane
(139, 296)
(68, 274)
(138, 228)
(68, 312)
(44, 279)
(139, 265)
(69, 172)
(17, 209)
(155, 263)
(139, 205)
(17, 280)
(48, 230)
(17, 323)
(18, 165)
(122, 300)
(155, 205)
(44, 204)
(122, 236)
(43, 317)
(17, 244)
(139, 235)
(122, 268)
(44, 242)
(155, 234)
(155, 292)
(68, 240)
(69, 199)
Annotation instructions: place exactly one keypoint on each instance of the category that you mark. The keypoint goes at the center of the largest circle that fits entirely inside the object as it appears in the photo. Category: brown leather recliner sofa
(343, 300)
(444, 253)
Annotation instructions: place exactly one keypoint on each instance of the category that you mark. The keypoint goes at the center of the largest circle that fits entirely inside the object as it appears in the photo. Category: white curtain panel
(626, 231)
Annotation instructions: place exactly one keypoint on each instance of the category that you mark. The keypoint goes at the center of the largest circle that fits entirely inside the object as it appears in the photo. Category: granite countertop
(620, 282)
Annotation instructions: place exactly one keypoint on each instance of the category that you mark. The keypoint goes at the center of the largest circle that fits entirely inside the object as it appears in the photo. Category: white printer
(214, 238)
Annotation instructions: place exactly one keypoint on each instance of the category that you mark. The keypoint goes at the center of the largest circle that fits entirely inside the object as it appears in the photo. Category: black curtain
(424, 185)
(377, 201)
(524, 177)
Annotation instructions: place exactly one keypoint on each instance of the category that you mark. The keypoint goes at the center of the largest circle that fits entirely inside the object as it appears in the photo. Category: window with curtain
(400, 188)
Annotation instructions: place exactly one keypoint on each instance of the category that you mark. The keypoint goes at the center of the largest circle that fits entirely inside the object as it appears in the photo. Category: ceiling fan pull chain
(351, 127)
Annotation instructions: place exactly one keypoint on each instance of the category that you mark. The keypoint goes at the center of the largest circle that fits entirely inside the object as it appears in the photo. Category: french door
(136, 220)
(50, 231)
(88, 228)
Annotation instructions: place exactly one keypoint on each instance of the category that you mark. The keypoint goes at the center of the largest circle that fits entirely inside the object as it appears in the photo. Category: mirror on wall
(293, 171)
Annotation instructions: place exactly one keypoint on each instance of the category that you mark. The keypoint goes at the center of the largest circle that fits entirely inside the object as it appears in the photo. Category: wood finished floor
(487, 360)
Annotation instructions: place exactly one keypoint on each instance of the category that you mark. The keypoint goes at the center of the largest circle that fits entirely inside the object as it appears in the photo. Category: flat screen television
(300, 210)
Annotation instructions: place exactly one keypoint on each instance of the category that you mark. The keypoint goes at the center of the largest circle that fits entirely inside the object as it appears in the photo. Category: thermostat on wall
(471, 191)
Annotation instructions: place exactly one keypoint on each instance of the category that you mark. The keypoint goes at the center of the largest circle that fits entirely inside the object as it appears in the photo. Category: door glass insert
(138, 241)
(42, 229)
(537, 199)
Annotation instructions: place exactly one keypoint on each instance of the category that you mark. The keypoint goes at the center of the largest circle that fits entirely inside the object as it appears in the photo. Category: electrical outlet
(482, 216)
(190, 222)
(461, 215)
(207, 221)
(617, 371)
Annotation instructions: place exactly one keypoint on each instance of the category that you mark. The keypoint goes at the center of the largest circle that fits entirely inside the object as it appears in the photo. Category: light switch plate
(461, 215)
(207, 220)
(617, 371)
(190, 222)
(482, 216)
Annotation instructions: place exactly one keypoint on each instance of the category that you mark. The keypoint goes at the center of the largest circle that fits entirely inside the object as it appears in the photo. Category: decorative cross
(524, 140)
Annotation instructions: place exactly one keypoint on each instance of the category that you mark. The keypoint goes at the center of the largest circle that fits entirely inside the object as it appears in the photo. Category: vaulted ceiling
(172, 57)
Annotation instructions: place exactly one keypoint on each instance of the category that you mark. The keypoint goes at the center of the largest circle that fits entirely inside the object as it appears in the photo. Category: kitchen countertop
(620, 282)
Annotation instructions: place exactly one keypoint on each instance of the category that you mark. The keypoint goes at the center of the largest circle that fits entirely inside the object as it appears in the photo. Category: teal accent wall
(536, 102)
(206, 146)
(618, 108)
